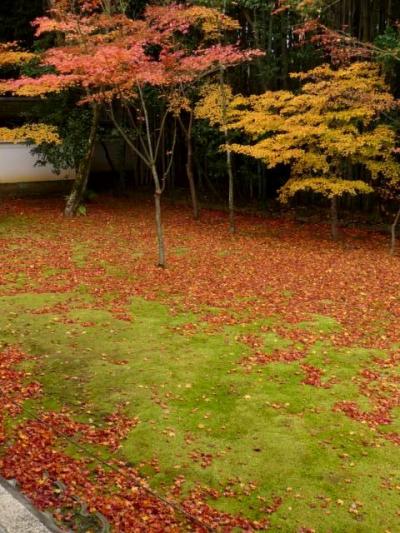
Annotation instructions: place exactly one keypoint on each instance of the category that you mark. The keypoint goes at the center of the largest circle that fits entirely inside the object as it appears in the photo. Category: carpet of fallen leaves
(355, 281)
(269, 268)
(55, 480)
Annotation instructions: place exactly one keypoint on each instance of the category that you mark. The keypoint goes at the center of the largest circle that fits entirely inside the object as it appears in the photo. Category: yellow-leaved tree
(214, 106)
(12, 56)
(330, 126)
(35, 133)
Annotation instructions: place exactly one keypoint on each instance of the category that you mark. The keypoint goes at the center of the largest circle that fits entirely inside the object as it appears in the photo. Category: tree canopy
(311, 93)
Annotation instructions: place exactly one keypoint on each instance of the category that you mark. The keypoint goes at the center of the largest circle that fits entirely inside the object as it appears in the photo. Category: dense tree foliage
(116, 61)
(12, 56)
(172, 47)
(323, 132)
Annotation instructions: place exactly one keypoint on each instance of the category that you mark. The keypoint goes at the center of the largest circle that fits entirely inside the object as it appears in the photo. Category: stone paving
(17, 515)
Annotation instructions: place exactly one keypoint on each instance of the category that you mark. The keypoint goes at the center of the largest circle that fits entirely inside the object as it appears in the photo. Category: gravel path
(17, 515)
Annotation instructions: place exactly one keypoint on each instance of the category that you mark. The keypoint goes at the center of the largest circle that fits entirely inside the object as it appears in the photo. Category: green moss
(190, 393)
(320, 324)
(79, 254)
(14, 225)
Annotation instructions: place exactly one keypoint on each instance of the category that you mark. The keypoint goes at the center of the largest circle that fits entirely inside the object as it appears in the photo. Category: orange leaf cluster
(109, 55)
(13, 389)
(380, 384)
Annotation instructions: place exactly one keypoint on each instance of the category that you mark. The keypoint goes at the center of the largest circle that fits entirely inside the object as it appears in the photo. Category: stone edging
(17, 511)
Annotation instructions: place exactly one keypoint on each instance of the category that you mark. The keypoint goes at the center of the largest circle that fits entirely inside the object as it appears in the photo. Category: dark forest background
(367, 20)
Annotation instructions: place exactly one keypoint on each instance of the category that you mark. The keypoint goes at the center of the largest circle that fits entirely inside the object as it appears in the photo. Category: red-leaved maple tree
(120, 63)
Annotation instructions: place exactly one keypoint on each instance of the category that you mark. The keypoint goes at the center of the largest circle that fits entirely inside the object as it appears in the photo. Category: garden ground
(255, 381)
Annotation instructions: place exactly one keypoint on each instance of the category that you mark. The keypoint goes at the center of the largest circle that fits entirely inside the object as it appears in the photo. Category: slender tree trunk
(365, 20)
(108, 157)
(79, 187)
(159, 227)
(270, 32)
(393, 232)
(192, 186)
(149, 158)
(284, 50)
(389, 12)
(122, 168)
(189, 168)
(152, 152)
(231, 192)
(334, 219)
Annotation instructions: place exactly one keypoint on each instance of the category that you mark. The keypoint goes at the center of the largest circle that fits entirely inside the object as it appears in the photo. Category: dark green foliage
(73, 125)
(389, 56)
(135, 7)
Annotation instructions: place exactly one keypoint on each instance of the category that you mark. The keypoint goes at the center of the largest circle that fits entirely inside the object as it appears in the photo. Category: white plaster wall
(17, 165)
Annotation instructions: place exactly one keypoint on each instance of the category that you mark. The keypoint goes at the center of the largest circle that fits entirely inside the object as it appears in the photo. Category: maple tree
(213, 106)
(36, 133)
(115, 59)
(214, 24)
(330, 126)
(222, 103)
(11, 55)
(186, 108)
(280, 33)
(342, 47)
